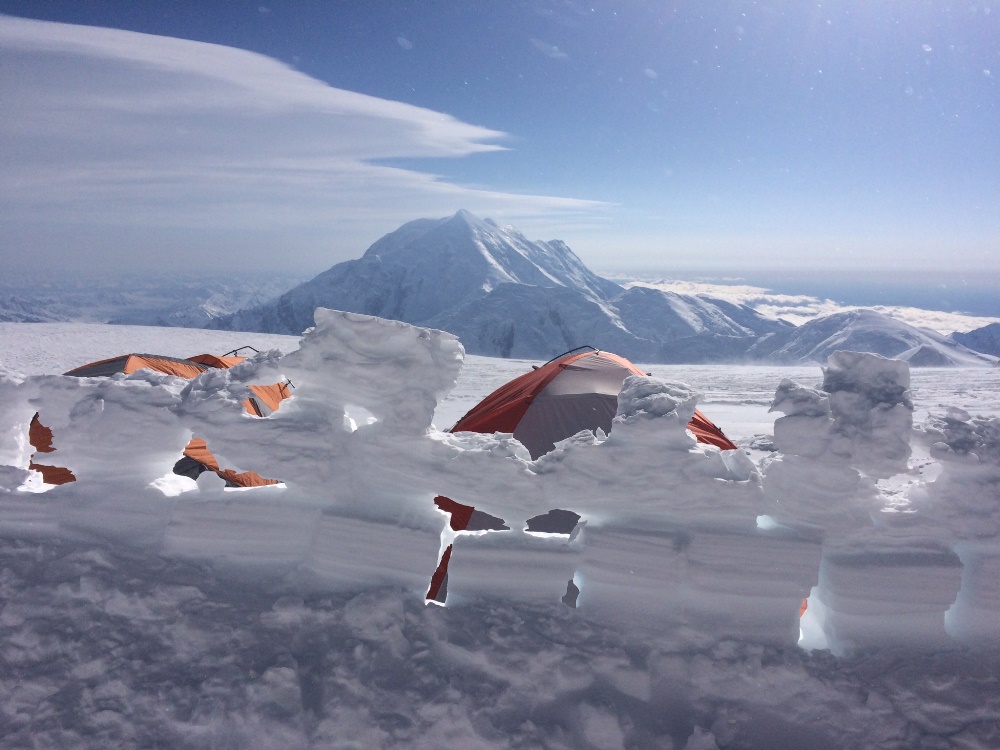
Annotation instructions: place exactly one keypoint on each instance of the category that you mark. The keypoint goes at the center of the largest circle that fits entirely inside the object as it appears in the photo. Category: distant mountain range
(985, 339)
(504, 295)
(188, 300)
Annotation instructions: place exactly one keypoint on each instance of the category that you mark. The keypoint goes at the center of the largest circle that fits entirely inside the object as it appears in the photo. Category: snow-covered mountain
(423, 269)
(864, 331)
(17, 310)
(985, 339)
(505, 295)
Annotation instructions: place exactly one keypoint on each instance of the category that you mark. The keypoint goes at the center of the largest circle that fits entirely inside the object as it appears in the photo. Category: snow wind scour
(692, 552)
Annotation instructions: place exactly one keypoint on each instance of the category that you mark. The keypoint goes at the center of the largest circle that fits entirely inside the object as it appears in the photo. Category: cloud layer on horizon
(124, 131)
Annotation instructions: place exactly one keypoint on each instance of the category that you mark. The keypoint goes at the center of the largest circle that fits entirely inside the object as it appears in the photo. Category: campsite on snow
(673, 425)
(268, 539)
(592, 572)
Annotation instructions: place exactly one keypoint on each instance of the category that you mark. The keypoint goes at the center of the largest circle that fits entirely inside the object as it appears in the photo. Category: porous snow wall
(674, 536)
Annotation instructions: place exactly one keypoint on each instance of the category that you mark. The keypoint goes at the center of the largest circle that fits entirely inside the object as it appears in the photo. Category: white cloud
(120, 129)
(549, 50)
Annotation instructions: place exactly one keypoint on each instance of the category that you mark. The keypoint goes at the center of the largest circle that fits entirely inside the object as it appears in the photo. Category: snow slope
(293, 617)
(985, 339)
(866, 331)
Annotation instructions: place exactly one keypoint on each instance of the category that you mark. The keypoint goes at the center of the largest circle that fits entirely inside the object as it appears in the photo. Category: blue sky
(826, 137)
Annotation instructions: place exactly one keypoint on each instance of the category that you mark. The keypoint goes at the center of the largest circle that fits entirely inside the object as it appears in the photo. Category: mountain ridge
(504, 295)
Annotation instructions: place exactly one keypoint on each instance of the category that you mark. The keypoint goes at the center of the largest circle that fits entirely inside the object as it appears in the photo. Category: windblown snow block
(964, 497)
(352, 554)
(879, 596)
(132, 371)
(511, 565)
(860, 420)
(396, 371)
(833, 498)
(871, 409)
(115, 432)
(975, 616)
(632, 576)
(252, 534)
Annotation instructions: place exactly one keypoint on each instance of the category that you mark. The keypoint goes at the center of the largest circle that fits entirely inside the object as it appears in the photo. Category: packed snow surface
(143, 609)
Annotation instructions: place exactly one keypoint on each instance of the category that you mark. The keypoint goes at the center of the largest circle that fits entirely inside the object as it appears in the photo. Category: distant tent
(264, 400)
(576, 391)
(129, 363)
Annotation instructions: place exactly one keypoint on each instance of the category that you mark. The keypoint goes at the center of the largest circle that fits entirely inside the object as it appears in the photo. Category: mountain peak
(467, 216)
(429, 265)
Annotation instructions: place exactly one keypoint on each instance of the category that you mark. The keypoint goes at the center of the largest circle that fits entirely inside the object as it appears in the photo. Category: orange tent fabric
(505, 408)
(222, 363)
(129, 363)
(266, 398)
(197, 450)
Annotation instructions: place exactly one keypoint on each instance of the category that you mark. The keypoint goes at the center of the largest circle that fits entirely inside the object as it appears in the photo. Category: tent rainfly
(576, 391)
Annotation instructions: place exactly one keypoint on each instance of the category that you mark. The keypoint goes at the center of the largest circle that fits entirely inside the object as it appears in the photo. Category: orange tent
(264, 400)
(129, 363)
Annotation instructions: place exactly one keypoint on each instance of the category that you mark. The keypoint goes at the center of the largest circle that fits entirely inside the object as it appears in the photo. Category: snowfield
(142, 609)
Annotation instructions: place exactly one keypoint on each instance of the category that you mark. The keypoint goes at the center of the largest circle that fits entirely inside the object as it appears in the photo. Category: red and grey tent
(576, 391)
(573, 392)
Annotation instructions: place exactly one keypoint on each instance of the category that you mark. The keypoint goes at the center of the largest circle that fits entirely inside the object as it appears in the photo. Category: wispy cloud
(116, 128)
(549, 50)
(799, 309)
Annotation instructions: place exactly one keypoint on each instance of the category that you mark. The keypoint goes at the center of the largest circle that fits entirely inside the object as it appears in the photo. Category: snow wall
(674, 537)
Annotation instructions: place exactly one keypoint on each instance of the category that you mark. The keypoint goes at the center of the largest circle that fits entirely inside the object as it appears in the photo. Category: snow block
(888, 596)
(511, 565)
(351, 554)
(627, 575)
(975, 617)
(755, 581)
(720, 583)
(240, 529)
